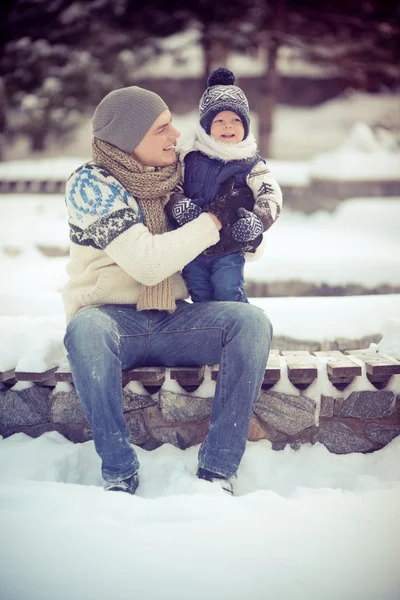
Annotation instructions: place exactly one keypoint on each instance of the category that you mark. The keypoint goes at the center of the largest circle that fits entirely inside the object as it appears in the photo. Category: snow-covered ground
(358, 243)
(304, 525)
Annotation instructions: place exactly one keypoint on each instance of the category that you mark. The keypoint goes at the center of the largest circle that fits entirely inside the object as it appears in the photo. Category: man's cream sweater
(112, 251)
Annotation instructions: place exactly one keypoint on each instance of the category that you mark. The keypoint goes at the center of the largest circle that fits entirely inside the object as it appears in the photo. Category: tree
(66, 54)
(358, 40)
(62, 56)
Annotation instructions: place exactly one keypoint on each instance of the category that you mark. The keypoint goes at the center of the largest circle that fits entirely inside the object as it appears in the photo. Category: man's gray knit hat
(221, 95)
(124, 116)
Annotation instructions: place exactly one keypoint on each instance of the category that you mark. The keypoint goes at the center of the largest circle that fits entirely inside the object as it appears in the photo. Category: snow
(358, 243)
(362, 157)
(390, 343)
(301, 133)
(290, 173)
(329, 318)
(303, 525)
(51, 169)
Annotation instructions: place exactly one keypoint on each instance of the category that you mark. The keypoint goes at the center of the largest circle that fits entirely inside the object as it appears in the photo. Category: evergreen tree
(60, 57)
(358, 40)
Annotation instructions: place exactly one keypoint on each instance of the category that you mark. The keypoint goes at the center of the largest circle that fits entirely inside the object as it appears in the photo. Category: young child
(223, 162)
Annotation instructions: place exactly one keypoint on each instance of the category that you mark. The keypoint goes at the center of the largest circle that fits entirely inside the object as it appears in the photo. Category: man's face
(157, 148)
(227, 127)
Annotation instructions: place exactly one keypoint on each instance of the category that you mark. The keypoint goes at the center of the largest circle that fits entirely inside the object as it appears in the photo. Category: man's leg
(100, 343)
(228, 278)
(238, 337)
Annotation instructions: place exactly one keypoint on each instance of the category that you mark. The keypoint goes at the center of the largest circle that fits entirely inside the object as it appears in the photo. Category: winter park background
(306, 523)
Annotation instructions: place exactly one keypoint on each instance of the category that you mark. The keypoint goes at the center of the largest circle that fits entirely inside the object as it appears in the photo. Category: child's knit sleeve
(267, 194)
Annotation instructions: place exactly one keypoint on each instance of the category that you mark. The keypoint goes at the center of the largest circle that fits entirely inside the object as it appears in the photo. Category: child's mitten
(185, 211)
(248, 227)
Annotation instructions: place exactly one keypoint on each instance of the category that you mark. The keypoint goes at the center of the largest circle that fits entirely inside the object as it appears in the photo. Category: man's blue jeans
(216, 277)
(103, 341)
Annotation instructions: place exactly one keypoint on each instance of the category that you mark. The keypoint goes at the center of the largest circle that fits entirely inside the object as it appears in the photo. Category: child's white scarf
(215, 149)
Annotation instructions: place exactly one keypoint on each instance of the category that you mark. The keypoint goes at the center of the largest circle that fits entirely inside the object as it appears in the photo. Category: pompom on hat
(125, 115)
(221, 94)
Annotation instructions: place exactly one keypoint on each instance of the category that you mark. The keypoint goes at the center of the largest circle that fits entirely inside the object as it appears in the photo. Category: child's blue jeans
(216, 277)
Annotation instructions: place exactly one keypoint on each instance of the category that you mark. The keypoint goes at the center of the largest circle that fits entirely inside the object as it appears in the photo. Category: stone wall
(327, 194)
(363, 421)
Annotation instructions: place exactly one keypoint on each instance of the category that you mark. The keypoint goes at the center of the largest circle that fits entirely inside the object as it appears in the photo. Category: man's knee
(255, 320)
(89, 328)
(249, 321)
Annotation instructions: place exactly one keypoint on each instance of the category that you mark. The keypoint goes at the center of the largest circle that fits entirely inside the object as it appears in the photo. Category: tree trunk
(216, 50)
(3, 117)
(270, 85)
(38, 142)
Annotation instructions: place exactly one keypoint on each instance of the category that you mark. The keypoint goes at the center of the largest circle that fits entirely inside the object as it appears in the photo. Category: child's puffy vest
(204, 176)
(203, 179)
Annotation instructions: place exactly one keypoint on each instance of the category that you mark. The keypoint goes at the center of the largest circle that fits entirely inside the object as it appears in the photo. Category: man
(125, 298)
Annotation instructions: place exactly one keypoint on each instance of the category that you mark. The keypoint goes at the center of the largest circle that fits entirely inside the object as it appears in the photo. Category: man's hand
(248, 227)
(185, 211)
(216, 221)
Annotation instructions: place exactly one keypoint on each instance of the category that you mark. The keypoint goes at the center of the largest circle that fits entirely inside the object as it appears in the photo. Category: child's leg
(228, 278)
(197, 276)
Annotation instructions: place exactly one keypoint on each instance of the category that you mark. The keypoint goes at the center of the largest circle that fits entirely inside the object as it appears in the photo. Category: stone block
(382, 434)
(181, 436)
(279, 445)
(132, 401)
(137, 428)
(337, 406)
(153, 417)
(184, 407)
(286, 413)
(165, 432)
(169, 435)
(67, 408)
(304, 437)
(259, 430)
(25, 407)
(341, 439)
(368, 404)
(327, 406)
(75, 432)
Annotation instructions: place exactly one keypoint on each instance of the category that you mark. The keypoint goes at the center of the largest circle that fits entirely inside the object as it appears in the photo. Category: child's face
(227, 127)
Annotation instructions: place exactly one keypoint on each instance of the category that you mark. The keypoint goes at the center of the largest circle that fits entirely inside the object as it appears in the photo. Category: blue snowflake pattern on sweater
(90, 196)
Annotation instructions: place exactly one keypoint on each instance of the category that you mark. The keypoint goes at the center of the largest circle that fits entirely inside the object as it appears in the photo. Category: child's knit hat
(220, 95)
(125, 115)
